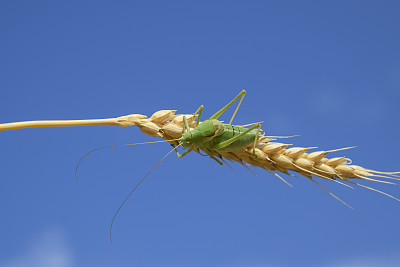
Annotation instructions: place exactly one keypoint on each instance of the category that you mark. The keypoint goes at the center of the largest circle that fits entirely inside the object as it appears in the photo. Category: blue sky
(328, 71)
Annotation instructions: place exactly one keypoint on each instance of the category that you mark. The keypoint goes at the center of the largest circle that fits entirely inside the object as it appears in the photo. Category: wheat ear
(275, 156)
(271, 156)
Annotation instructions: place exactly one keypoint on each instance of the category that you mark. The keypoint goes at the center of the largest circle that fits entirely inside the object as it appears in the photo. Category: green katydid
(211, 134)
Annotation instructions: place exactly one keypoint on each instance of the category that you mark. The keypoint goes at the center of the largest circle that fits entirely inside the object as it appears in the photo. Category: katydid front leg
(185, 129)
(184, 153)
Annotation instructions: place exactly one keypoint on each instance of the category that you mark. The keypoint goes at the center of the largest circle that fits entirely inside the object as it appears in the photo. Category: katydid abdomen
(229, 132)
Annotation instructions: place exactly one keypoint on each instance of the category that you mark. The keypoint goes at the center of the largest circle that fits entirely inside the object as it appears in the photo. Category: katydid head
(204, 132)
(187, 139)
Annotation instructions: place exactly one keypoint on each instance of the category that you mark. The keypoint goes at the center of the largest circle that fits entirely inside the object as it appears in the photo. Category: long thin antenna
(79, 162)
(116, 213)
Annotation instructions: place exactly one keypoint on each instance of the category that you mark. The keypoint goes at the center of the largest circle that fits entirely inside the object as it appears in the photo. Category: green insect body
(212, 134)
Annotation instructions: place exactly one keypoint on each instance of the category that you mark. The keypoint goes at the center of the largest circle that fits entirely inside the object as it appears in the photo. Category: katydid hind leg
(237, 108)
(222, 110)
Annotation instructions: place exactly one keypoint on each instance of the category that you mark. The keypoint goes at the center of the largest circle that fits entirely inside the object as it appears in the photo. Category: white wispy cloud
(50, 249)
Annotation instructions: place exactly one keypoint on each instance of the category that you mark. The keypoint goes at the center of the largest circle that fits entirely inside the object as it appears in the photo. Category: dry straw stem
(129, 120)
(271, 156)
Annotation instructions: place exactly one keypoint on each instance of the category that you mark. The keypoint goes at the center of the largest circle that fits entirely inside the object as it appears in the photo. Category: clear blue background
(326, 70)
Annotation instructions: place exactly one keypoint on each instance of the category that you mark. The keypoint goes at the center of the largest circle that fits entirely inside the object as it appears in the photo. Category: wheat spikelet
(274, 156)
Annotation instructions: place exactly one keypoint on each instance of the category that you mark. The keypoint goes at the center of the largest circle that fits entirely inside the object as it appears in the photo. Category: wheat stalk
(123, 121)
(271, 156)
